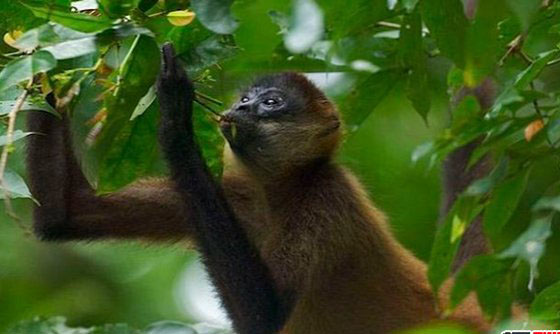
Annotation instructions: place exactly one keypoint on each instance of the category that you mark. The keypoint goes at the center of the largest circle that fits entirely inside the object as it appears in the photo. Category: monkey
(289, 237)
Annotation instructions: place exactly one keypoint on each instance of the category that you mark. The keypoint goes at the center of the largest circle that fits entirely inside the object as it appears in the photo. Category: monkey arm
(233, 262)
(69, 208)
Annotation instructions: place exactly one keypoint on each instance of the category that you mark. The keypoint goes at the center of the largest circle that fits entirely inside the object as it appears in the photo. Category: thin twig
(553, 62)
(388, 25)
(513, 46)
(6, 151)
(209, 98)
(208, 108)
(539, 113)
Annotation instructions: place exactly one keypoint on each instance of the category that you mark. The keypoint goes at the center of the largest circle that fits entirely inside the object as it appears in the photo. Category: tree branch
(7, 148)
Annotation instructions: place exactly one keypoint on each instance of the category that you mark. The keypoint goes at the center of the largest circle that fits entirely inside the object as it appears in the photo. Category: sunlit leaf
(530, 245)
(17, 135)
(76, 21)
(15, 185)
(215, 15)
(306, 26)
(31, 39)
(7, 106)
(547, 203)
(180, 17)
(25, 68)
(170, 327)
(144, 103)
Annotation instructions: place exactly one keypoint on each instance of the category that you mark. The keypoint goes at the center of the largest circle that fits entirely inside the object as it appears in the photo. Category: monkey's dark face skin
(280, 119)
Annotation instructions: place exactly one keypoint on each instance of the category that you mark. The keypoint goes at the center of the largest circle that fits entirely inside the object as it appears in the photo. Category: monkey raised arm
(233, 262)
(69, 208)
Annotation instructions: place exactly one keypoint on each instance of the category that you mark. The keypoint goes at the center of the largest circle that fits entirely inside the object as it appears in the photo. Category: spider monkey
(289, 237)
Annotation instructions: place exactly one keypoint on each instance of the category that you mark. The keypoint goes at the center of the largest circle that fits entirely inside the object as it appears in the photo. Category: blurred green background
(140, 283)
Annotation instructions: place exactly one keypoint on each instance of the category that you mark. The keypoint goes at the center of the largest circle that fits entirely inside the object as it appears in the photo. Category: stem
(6, 151)
(209, 98)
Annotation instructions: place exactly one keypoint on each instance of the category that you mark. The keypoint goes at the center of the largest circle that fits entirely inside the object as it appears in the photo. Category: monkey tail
(457, 176)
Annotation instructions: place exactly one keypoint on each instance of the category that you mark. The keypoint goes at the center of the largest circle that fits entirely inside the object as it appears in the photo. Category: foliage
(100, 59)
(57, 325)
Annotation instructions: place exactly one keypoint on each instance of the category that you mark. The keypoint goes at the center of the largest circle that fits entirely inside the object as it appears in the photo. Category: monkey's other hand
(174, 89)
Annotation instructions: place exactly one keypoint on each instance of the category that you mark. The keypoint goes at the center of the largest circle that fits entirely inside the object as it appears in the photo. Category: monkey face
(281, 120)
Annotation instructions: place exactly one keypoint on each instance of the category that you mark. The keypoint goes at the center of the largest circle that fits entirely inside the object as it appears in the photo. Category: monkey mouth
(229, 128)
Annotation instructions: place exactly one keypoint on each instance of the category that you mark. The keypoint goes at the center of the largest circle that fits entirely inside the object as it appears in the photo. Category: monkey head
(280, 122)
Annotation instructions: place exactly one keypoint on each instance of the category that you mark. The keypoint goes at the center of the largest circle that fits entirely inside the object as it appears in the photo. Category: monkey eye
(244, 99)
(270, 102)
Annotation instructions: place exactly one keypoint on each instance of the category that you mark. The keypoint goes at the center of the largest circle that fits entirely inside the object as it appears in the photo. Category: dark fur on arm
(456, 177)
(69, 208)
(241, 278)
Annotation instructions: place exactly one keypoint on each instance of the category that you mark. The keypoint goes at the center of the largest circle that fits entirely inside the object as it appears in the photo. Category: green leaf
(215, 15)
(447, 23)
(306, 26)
(410, 5)
(62, 15)
(138, 73)
(547, 203)
(17, 135)
(116, 9)
(15, 185)
(482, 43)
(414, 58)
(484, 185)
(546, 306)
(134, 150)
(170, 327)
(438, 329)
(33, 38)
(25, 68)
(73, 48)
(448, 238)
(533, 70)
(366, 95)
(530, 245)
(503, 202)
(466, 111)
(7, 106)
(487, 276)
(525, 10)
(145, 102)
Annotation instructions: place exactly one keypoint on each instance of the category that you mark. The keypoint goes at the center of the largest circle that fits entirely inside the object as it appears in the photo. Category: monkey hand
(174, 89)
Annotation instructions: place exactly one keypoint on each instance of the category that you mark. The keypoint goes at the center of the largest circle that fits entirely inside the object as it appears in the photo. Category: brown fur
(322, 239)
